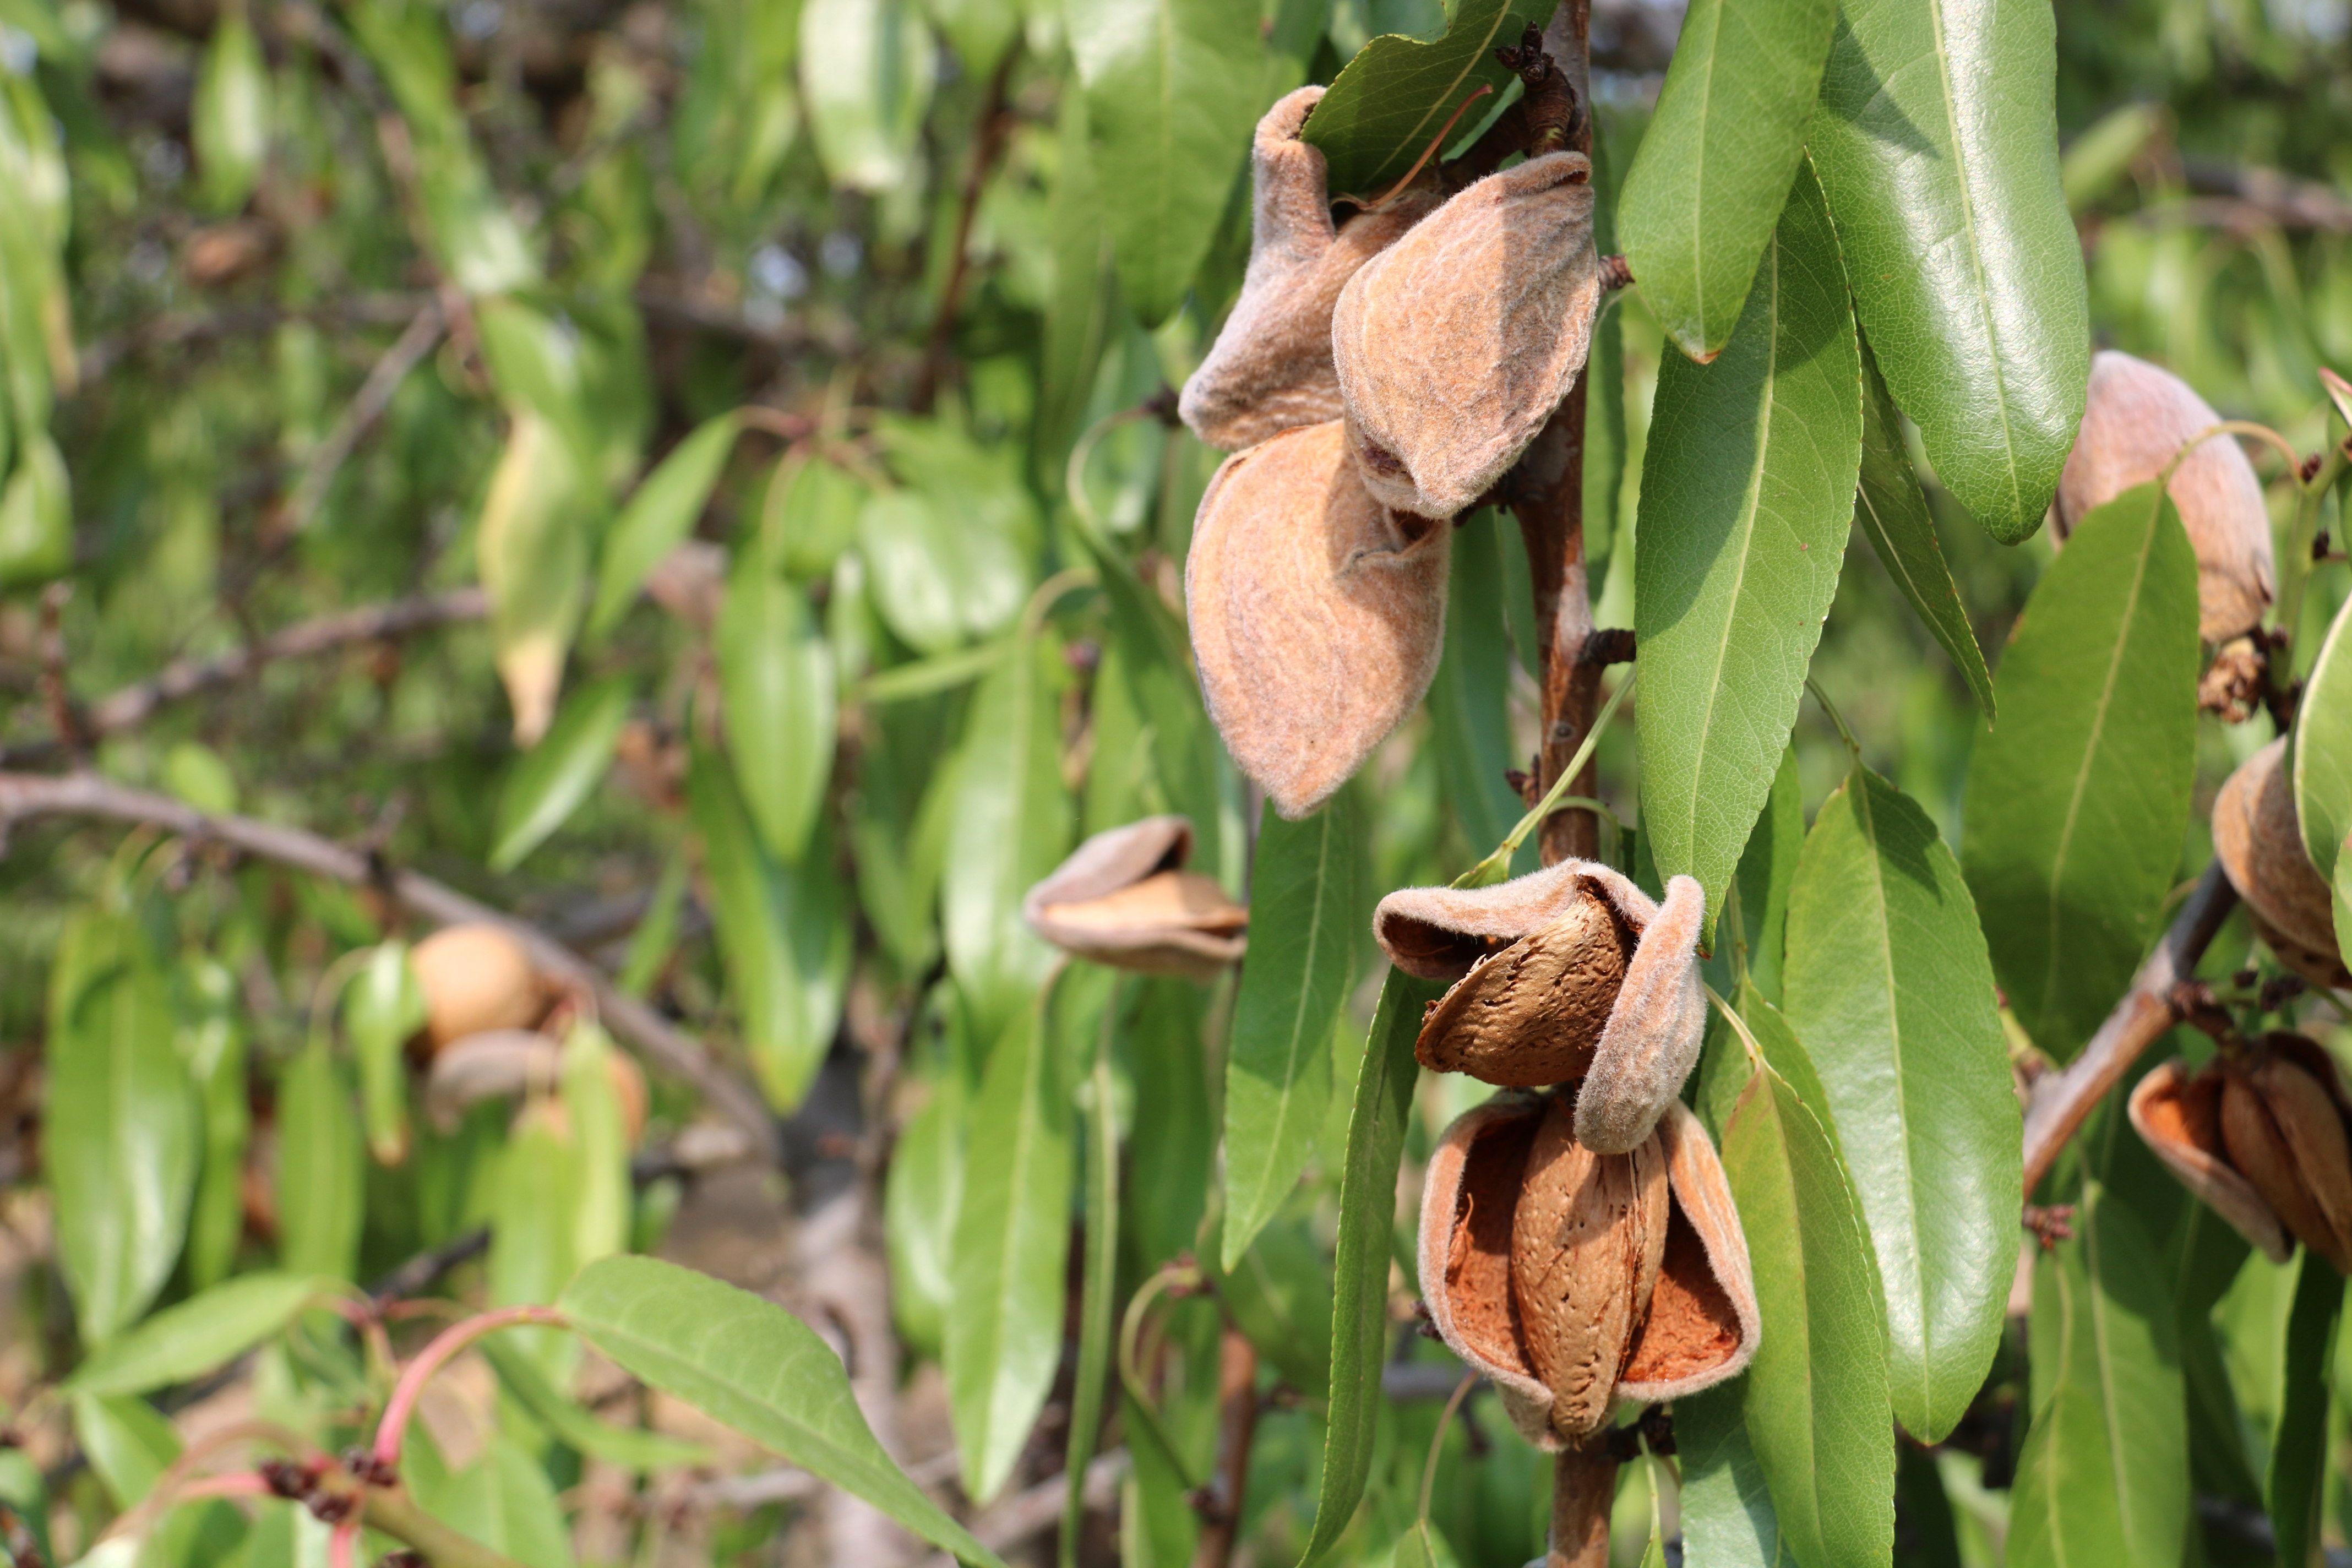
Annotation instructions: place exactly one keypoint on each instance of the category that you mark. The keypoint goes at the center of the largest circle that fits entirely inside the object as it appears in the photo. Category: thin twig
(359, 417)
(1221, 1507)
(24, 796)
(182, 328)
(989, 139)
(2062, 1100)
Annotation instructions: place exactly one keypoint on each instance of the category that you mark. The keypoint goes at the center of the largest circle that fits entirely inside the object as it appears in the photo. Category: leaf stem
(394, 1428)
(1497, 867)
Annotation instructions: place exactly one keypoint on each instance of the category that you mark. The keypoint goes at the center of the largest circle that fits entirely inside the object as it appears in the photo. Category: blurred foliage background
(536, 330)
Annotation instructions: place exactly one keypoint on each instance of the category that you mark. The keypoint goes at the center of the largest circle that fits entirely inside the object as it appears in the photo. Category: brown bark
(1222, 1509)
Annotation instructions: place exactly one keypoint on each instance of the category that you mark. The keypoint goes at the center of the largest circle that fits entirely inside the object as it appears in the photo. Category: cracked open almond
(1568, 973)
(2260, 843)
(1317, 613)
(2179, 1116)
(1454, 344)
(1573, 1280)
(1270, 369)
(1123, 898)
(2135, 417)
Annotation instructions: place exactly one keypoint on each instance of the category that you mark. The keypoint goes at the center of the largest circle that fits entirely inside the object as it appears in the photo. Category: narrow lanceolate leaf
(1727, 1510)
(1011, 1239)
(1012, 822)
(1816, 1411)
(866, 69)
(1172, 88)
(197, 1336)
(1469, 701)
(1394, 97)
(1303, 910)
(782, 933)
(2104, 1478)
(1714, 167)
(658, 516)
(776, 684)
(1890, 990)
(2342, 900)
(383, 1007)
(1359, 1317)
(1894, 515)
(121, 1142)
(532, 546)
(1747, 497)
(2323, 747)
(551, 780)
(322, 1170)
(1937, 142)
(759, 1369)
(2078, 802)
(2298, 1476)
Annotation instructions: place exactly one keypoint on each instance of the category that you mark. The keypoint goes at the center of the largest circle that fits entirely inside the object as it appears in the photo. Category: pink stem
(242, 1483)
(432, 1358)
(342, 1547)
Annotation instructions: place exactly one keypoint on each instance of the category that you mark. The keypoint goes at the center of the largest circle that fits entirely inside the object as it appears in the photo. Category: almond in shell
(1124, 898)
(2260, 843)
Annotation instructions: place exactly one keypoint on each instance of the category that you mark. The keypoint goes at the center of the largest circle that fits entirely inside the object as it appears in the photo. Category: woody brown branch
(27, 797)
(995, 130)
(1237, 1425)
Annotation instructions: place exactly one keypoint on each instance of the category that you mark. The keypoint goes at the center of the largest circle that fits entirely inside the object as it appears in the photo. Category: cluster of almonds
(1375, 380)
(2136, 419)
(485, 1004)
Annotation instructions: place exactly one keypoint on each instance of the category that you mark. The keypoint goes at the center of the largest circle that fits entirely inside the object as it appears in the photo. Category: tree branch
(2062, 1100)
(359, 417)
(987, 145)
(24, 796)
(1220, 1502)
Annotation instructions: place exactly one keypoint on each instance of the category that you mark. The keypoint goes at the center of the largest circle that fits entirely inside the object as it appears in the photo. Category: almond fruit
(1124, 898)
(1270, 369)
(2260, 843)
(1454, 344)
(2179, 1117)
(2135, 417)
(476, 978)
(1317, 614)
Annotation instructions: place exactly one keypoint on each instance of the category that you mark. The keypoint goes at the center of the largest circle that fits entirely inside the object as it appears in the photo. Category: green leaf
(938, 580)
(1817, 1411)
(229, 119)
(631, 1447)
(1099, 1293)
(119, 1142)
(782, 933)
(1359, 1317)
(128, 1442)
(1768, 874)
(1889, 987)
(1393, 99)
(2323, 747)
(383, 1006)
(1012, 1240)
(1895, 518)
(1303, 906)
(2299, 1466)
(2104, 1476)
(199, 1333)
(2343, 898)
(551, 780)
(1172, 88)
(2077, 803)
(532, 545)
(867, 69)
(921, 1192)
(1747, 498)
(36, 536)
(320, 1169)
(1937, 144)
(502, 1498)
(212, 1041)
(658, 516)
(1727, 1510)
(1280, 1296)
(1713, 170)
(1010, 825)
(776, 682)
(1469, 701)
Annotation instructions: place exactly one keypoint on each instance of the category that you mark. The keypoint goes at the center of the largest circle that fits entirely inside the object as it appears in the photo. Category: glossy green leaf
(1359, 1319)
(2104, 1476)
(1747, 498)
(2078, 802)
(1303, 920)
(1817, 1413)
(36, 516)
(1714, 167)
(660, 516)
(921, 1192)
(631, 1447)
(119, 1143)
(781, 933)
(213, 1043)
(1172, 88)
(2299, 1463)
(1768, 874)
(534, 1201)
(320, 1168)
(1894, 515)
(532, 547)
(383, 1006)
(551, 780)
(1280, 1296)
(130, 1444)
(776, 683)
(1098, 1295)
(2323, 747)
(1011, 1241)
(501, 1499)
(229, 119)
(938, 581)
(1011, 827)
(1469, 701)
(199, 1333)
(2342, 900)
(1727, 1510)
(1936, 142)
(1393, 99)
(866, 69)
(1891, 991)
